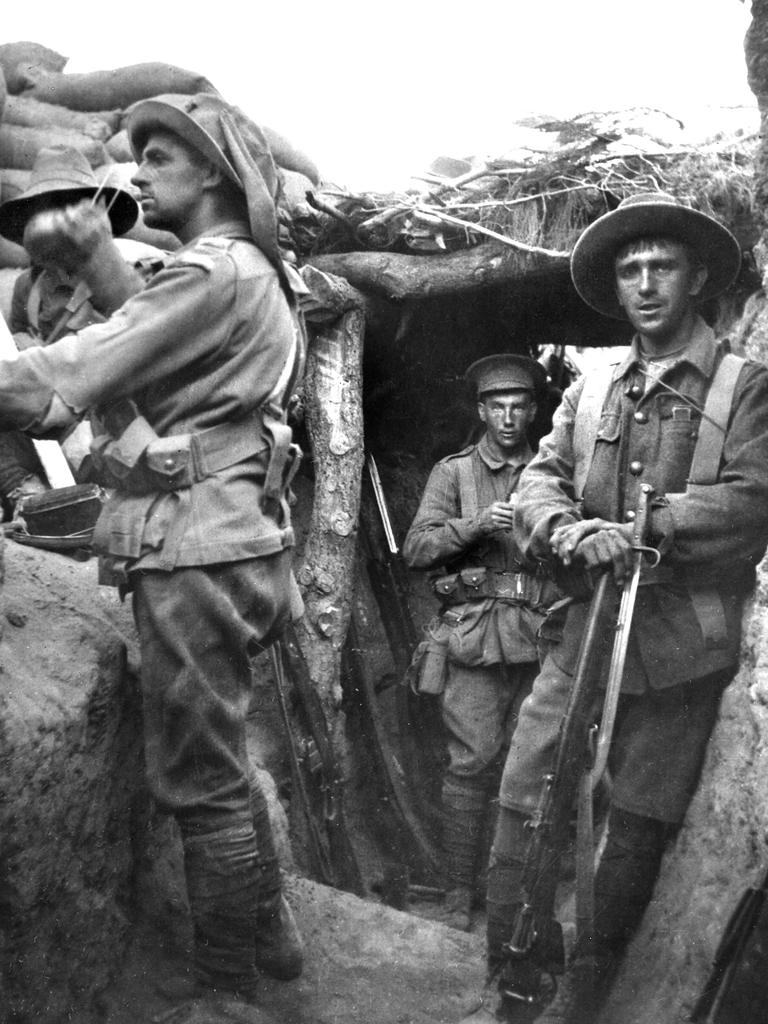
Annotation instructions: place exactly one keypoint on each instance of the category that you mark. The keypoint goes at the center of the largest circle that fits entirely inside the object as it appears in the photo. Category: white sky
(373, 91)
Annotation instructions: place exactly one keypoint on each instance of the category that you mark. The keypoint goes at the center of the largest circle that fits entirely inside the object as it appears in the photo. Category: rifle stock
(533, 932)
(316, 770)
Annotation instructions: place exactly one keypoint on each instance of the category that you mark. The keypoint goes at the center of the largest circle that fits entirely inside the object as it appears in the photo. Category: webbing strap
(714, 423)
(467, 487)
(587, 424)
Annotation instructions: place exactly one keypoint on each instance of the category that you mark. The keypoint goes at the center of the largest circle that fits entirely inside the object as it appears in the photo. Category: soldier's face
(171, 180)
(656, 285)
(507, 416)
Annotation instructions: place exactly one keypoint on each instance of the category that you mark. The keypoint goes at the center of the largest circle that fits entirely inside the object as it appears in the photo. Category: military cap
(506, 372)
(650, 214)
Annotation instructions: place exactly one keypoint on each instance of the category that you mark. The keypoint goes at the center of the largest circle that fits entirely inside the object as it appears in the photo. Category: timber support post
(334, 414)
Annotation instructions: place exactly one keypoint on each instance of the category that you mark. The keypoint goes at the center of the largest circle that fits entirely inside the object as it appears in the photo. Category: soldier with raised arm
(190, 379)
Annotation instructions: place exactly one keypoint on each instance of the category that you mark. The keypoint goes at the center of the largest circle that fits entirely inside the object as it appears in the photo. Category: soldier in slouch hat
(683, 420)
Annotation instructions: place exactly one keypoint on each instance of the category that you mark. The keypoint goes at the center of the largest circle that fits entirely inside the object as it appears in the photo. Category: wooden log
(398, 276)
(329, 296)
(334, 410)
(36, 114)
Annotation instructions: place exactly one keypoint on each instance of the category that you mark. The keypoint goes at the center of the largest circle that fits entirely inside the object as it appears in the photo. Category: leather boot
(279, 950)
(514, 994)
(222, 877)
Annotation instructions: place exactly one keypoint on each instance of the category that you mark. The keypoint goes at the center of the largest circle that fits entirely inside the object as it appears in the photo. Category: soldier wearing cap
(190, 379)
(481, 649)
(49, 298)
(635, 425)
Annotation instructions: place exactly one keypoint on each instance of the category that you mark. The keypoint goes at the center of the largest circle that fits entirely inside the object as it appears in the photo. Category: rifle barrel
(381, 503)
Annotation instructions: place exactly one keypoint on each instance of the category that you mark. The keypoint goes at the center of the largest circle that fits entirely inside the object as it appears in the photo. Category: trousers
(198, 631)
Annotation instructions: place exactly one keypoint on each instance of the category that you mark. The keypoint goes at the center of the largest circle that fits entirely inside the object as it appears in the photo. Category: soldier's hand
(68, 238)
(596, 544)
(498, 516)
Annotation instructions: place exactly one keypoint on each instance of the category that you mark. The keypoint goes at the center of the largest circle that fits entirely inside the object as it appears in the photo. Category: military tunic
(711, 537)
(491, 643)
(210, 339)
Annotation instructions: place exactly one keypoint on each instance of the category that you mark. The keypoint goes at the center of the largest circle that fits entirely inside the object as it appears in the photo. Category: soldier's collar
(700, 352)
(494, 463)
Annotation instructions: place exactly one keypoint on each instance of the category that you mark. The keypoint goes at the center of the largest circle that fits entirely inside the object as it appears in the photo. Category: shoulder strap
(467, 487)
(714, 423)
(587, 423)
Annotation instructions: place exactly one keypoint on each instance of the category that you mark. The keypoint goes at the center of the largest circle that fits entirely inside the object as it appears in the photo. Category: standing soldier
(681, 417)
(49, 300)
(191, 378)
(482, 649)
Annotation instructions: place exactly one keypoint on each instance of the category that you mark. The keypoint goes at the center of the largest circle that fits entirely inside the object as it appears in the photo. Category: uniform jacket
(710, 537)
(443, 536)
(204, 344)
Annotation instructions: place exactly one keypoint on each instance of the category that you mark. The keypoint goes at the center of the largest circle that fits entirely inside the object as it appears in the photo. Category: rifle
(386, 573)
(315, 769)
(536, 934)
(405, 828)
(400, 764)
(735, 991)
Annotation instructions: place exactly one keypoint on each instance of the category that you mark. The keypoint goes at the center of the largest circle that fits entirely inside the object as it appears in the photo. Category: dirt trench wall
(69, 770)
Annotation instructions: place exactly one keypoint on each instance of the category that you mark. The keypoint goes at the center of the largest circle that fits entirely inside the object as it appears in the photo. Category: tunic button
(636, 468)
(635, 391)
(641, 417)
(169, 463)
(630, 516)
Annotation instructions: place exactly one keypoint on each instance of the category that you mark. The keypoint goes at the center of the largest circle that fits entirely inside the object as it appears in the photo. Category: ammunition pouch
(481, 583)
(132, 457)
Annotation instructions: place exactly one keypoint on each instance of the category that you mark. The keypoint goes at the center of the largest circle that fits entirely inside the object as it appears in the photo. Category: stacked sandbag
(20, 144)
(25, 110)
(46, 106)
(107, 90)
(16, 57)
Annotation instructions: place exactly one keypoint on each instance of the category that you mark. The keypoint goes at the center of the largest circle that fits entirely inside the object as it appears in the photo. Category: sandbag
(3, 94)
(13, 182)
(119, 148)
(25, 110)
(286, 155)
(294, 188)
(8, 277)
(19, 145)
(12, 255)
(115, 89)
(14, 54)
